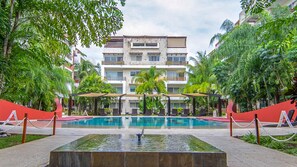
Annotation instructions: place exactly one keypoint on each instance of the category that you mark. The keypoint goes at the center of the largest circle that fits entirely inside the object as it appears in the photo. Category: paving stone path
(239, 153)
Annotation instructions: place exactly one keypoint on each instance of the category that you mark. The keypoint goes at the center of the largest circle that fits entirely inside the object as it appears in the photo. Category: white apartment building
(126, 56)
(72, 61)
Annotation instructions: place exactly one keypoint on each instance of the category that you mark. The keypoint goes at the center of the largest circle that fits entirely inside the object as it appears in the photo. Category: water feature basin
(123, 150)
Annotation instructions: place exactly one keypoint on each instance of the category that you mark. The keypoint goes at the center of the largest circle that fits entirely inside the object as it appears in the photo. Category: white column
(102, 71)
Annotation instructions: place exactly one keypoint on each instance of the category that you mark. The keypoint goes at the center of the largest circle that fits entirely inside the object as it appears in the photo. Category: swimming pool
(144, 122)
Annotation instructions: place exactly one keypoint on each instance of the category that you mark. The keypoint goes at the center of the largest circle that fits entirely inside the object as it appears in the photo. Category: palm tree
(33, 42)
(226, 26)
(201, 76)
(98, 68)
(32, 83)
(86, 68)
(257, 62)
(93, 83)
(150, 81)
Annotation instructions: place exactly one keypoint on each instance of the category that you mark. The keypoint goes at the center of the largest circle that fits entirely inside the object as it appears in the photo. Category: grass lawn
(289, 147)
(17, 139)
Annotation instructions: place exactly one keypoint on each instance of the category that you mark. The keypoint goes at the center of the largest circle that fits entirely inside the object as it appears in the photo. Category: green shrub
(250, 138)
(289, 147)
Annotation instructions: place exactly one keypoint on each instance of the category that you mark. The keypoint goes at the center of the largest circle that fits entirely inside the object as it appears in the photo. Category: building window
(144, 45)
(137, 44)
(114, 75)
(175, 76)
(132, 88)
(136, 58)
(115, 105)
(113, 57)
(173, 90)
(133, 73)
(151, 44)
(176, 59)
(154, 58)
(119, 90)
(177, 54)
(134, 104)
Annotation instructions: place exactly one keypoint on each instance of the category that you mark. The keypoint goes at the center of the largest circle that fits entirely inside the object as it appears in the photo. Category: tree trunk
(1, 83)
(277, 96)
(90, 106)
(267, 92)
(39, 105)
(12, 27)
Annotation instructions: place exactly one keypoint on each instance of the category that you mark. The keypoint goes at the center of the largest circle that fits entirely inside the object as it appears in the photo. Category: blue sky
(199, 20)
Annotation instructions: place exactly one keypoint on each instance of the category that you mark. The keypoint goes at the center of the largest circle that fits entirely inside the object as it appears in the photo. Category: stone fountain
(125, 150)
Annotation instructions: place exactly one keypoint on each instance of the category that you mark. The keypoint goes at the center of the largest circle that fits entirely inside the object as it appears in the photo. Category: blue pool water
(144, 122)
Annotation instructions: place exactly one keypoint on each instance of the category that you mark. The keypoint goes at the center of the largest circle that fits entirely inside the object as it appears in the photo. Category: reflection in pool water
(144, 122)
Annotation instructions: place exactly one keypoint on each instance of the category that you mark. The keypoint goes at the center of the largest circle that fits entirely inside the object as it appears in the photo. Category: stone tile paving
(239, 153)
(32, 154)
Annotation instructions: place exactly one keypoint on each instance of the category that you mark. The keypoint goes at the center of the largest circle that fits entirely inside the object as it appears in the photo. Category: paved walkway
(239, 153)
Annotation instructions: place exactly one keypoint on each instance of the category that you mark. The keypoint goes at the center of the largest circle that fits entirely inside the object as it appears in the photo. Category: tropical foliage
(86, 68)
(31, 83)
(201, 76)
(34, 36)
(226, 26)
(252, 64)
(202, 79)
(255, 6)
(93, 83)
(149, 82)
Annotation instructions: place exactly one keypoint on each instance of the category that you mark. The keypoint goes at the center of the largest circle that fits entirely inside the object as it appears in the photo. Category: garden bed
(289, 147)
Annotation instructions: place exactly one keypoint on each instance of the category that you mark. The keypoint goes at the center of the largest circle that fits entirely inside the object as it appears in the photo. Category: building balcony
(115, 78)
(247, 18)
(112, 62)
(176, 79)
(176, 62)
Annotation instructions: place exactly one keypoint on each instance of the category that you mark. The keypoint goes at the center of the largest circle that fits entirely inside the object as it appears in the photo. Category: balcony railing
(176, 78)
(112, 62)
(176, 62)
(114, 78)
(173, 92)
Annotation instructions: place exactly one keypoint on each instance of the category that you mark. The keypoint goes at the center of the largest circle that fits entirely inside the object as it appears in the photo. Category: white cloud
(94, 54)
(199, 20)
